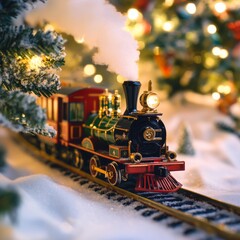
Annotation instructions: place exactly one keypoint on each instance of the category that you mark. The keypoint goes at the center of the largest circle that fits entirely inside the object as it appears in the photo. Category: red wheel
(114, 174)
(94, 162)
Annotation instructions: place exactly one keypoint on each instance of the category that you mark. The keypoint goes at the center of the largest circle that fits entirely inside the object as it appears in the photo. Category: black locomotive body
(93, 134)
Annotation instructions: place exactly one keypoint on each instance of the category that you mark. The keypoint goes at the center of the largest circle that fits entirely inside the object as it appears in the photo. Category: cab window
(76, 112)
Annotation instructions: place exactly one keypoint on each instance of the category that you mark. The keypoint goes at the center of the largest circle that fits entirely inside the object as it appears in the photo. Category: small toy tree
(185, 142)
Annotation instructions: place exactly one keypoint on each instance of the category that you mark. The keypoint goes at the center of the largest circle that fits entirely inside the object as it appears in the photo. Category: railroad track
(214, 217)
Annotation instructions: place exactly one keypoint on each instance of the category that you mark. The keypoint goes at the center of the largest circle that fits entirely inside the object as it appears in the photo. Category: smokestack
(131, 90)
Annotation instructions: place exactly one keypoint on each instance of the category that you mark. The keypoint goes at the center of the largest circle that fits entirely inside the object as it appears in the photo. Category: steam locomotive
(93, 135)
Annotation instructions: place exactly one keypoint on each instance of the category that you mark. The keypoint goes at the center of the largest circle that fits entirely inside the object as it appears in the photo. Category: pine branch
(19, 112)
(18, 46)
(10, 9)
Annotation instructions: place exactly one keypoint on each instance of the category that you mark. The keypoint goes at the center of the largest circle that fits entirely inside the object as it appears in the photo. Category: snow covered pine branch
(29, 59)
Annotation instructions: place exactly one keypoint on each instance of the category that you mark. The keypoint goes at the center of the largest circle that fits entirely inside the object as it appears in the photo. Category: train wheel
(77, 159)
(94, 162)
(114, 174)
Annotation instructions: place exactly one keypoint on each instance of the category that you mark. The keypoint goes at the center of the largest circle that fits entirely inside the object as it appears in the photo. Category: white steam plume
(100, 25)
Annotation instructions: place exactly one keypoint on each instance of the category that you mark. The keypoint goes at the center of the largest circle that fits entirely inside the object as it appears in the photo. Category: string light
(216, 96)
(220, 7)
(168, 3)
(211, 29)
(120, 79)
(98, 78)
(138, 30)
(80, 40)
(216, 51)
(225, 89)
(35, 63)
(191, 8)
(89, 70)
(168, 26)
(223, 54)
(49, 27)
(134, 15)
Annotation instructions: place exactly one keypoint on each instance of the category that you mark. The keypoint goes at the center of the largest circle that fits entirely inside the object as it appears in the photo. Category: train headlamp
(149, 100)
(152, 100)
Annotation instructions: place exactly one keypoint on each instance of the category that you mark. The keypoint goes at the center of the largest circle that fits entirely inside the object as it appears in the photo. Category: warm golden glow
(191, 8)
(216, 51)
(225, 89)
(134, 15)
(210, 61)
(138, 30)
(80, 40)
(220, 7)
(216, 96)
(98, 78)
(36, 63)
(168, 26)
(211, 29)
(120, 79)
(89, 70)
(168, 3)
(153, 100)
(48, 27)
(223, 54)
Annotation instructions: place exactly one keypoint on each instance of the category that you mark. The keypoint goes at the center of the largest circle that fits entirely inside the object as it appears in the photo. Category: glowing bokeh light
(191, 8)
(98, 78)
(89, 70)
(133, 14)
(220, 7)
(216, 96)
(211, 29)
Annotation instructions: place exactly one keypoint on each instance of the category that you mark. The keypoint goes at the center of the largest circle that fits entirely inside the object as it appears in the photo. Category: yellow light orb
(35, 63)
(80, 40)
(211, 29)
(225, 89)
(168, 3)
(220, 7)
(216, 96)
(48, 27)
(191, 8)
(133, 14)
(223, 54)
(98, 78)
(138, 30)
(210, 61)
(89, 70)
(141, 45)
(216, 51)
(168, 26)
(120, 79)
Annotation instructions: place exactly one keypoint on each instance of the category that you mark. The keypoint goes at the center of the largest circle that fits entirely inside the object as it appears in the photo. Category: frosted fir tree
(29, 59)
(185, 142)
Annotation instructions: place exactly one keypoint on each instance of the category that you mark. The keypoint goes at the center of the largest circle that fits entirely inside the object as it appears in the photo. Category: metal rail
(217, 229)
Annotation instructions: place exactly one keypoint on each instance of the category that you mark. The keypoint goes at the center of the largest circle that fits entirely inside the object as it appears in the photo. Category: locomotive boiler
(93, 134)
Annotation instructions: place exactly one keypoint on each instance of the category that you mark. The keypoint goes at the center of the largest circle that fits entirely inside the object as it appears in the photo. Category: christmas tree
(28, 60)
(194, 45)
(185, 141)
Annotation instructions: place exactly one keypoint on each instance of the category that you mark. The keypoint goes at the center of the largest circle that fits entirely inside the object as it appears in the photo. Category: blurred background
(184, 45)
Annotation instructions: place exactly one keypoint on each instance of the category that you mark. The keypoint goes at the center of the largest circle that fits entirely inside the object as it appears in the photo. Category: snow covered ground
(55, 207)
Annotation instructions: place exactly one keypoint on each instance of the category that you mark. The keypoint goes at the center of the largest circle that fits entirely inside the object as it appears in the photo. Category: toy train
(93, 135)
